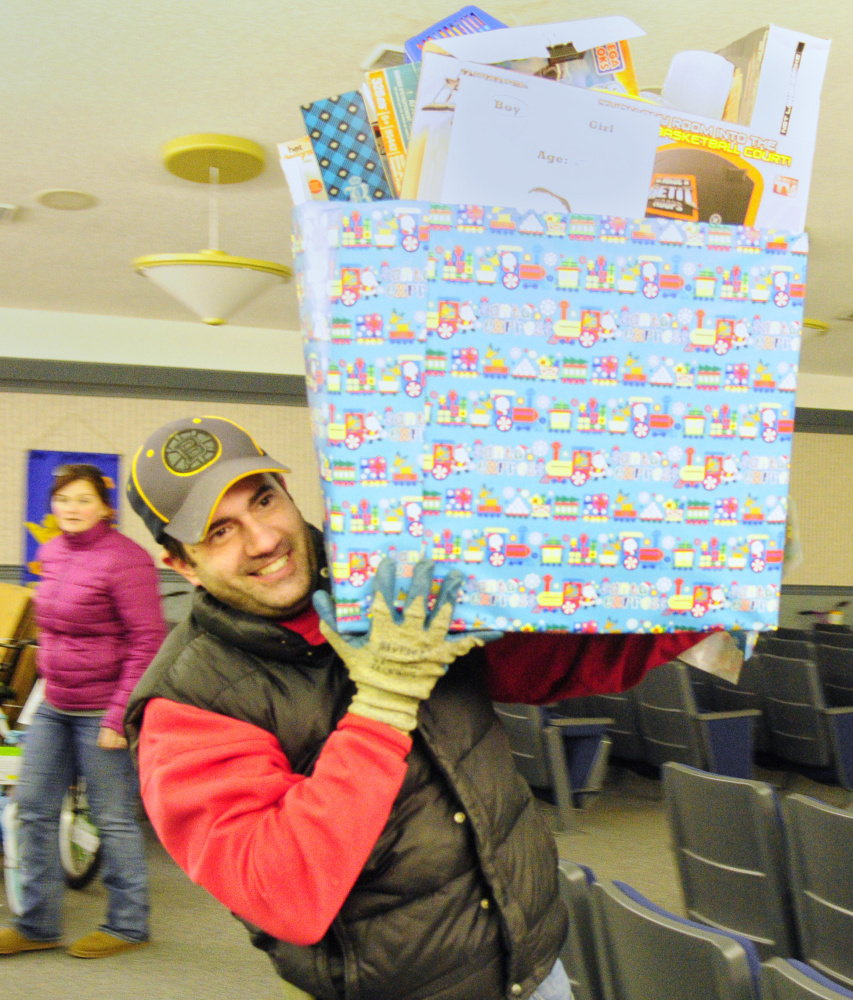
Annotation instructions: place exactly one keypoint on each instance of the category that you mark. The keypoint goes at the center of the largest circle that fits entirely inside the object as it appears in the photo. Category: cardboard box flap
(15, 616)
(505, 44)
(778, 79)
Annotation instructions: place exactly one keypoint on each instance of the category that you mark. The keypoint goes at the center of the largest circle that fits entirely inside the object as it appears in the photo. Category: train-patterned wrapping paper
(591, 417)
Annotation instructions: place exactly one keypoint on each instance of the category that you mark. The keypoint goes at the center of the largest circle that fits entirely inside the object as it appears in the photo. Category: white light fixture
(212, 283)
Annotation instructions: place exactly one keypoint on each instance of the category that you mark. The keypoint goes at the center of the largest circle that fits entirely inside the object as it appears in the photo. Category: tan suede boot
(13, 942)
(99, 944)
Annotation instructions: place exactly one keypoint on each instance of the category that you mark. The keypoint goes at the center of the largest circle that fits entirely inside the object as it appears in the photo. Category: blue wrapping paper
(590, 416)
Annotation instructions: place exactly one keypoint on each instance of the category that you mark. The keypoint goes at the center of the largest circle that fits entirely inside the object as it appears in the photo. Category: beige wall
(821, 478)
(58, 423)
(822, 490)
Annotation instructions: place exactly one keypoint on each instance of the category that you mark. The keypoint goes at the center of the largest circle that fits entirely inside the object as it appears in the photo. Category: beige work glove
(396, 663)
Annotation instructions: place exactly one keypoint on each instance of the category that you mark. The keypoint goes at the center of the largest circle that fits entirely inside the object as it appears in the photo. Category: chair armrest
(565, 723)
(743, 713)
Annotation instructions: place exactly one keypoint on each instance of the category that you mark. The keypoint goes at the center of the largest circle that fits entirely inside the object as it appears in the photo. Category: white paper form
(526, 143)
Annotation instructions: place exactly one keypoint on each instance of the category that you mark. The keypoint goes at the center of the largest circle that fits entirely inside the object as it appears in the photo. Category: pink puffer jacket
(100, 620)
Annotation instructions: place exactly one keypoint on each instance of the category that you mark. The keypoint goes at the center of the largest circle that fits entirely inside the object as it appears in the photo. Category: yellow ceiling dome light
(212, 283)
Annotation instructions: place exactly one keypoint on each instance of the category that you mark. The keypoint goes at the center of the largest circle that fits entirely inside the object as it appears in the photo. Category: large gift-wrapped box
(591, 417)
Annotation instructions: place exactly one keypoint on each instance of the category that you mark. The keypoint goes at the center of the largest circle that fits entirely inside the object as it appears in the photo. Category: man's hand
(396, 664)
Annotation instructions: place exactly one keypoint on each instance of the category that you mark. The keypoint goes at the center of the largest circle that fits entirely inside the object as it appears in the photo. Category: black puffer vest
(458, 899)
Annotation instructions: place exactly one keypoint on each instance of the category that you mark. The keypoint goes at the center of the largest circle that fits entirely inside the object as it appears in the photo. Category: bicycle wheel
(11, 872)
(79, 843)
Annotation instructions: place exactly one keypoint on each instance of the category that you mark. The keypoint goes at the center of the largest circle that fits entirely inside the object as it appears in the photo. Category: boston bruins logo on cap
(189, 451)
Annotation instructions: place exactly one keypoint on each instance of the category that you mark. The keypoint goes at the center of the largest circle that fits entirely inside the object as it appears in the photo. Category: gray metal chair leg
(562, 784)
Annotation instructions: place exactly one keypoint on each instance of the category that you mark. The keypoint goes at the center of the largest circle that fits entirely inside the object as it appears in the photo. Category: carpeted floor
(199, 952)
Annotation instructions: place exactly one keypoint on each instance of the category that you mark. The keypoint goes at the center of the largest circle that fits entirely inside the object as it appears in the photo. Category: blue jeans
(555, 986)
(58, 748)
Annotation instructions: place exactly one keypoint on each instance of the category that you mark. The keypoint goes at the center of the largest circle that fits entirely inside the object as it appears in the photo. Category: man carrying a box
(352, 800)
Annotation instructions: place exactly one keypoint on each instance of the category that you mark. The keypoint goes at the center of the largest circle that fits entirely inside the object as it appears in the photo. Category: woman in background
(100, 624)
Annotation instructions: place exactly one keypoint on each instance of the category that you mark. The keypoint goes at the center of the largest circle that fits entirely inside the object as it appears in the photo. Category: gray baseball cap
(183, 470)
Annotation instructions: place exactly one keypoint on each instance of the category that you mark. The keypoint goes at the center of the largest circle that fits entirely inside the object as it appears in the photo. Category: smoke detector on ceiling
(65, 199)
(7, 213)
(384, 55)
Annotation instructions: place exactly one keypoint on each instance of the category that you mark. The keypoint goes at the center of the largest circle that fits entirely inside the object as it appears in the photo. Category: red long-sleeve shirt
(284, 850)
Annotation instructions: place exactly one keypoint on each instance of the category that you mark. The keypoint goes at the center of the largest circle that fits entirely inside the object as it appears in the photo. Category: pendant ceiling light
(212, 283)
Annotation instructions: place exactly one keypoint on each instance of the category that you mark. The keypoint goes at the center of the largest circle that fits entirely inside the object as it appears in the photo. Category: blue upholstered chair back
(648, 953)
(820, 853)
(729, 843)
(790, 979)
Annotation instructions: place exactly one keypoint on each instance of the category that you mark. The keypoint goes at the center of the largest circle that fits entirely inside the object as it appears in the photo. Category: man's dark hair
(176, 549)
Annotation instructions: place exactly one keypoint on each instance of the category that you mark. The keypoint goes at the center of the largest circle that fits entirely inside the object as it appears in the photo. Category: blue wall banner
(39, 522)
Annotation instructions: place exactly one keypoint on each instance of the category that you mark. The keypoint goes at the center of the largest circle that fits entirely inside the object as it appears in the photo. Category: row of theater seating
(768, 896)
(802, 683)
(564, 749)
(792, 707)
(622, 946)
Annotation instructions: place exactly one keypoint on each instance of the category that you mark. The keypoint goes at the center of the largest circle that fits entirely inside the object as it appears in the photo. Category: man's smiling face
(257, 555)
